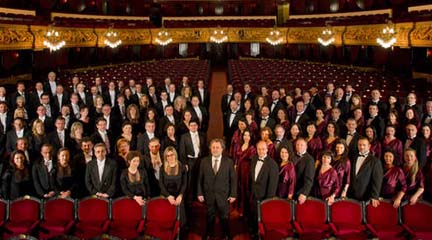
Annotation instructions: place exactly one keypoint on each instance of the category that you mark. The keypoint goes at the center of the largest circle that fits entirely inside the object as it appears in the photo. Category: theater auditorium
(217, 119)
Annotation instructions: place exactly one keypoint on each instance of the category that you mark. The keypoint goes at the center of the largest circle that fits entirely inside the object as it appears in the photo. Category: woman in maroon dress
(330, 136)
(282, 119)
(375, 147)
(358, 116)
(342, 165)
(427, 173)
(266, 135)
(414, 177)
(326, 184)
(242, 157)
(320, 122)
(391, 142)
(394, 183)
(289, 102)
(328, 106)
(393, 119)
(237, 136)
(294, 133)
(314, 142)
(411, 118)
(287, 175)
(426, 133)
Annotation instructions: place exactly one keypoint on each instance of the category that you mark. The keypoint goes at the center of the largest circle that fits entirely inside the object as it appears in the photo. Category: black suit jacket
(205, 117)
(56, 103)
(143, 143)
(186, 149)
(225, 102)
(303, 120)
(229, 130)
(220, 186)
(163, 122)
(265, 185)
(379, 125)
(11, 139)
(107, 97)
(419, 144)
(54, 140)
(42, 179)
(47, 87)
(382, 109)
(108, 183)
(305, 171)
(367, 183)
(279, 105)
(97, 138)
(203, 102)
(353, 146)
(344, 108)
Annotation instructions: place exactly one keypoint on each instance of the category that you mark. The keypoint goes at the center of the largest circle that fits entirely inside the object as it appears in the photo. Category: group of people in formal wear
(148, 139)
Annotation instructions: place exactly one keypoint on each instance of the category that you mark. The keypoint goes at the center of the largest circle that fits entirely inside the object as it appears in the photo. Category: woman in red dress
(320, 122)
(282, 119)
(287, 175)
(375, 147)
(394, 183)
(237, 136)
(266, 135)
(391, 142)
(314, 142)
(330, 136)
(242, 157)
(342, 165)
(326, 179)
(426, 133)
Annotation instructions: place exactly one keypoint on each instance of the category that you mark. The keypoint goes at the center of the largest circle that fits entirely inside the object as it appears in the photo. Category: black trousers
(222, 208)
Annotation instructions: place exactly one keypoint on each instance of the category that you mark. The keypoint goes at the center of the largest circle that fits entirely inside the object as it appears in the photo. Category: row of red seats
(345, 219)
(337, 21)
(88, 218)
(291, 74)
(219, 23)
(175, 69)
(82, 22)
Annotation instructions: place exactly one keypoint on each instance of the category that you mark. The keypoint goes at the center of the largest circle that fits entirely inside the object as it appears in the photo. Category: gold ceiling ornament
(387, 36)
(163, 38)
(274, 37)
(218, 36)
(53, 40)
(112, 38)
(327, 36)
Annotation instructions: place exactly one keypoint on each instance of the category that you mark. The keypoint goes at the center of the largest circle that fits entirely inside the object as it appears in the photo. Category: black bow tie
(363, 155)
(350, 134)
(260, 160)
(233, 113)
(264, 119)
(299, 154)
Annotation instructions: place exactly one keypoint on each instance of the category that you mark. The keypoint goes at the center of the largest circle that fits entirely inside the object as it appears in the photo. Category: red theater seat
(383, 221)
(161, 219)
(417, 220)
(127, 218)
(24, 215)
(346, 217)
(58, 219)
(310, 220)
(274, 219)
(3, 212)
(93, 217)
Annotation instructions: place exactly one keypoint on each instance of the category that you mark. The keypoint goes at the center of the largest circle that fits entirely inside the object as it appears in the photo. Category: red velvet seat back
(126, 209)
(93, 210)
(345, 211)
(59, 210)
(161, 211)
(313, 211)
(384, 214)
(276, 211)
(24, 210)
(419, 214)
(3, 208)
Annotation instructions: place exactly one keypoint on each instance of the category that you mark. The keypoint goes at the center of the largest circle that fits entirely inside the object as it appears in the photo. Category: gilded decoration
(128, 36)
(15, 37)
(421, 35)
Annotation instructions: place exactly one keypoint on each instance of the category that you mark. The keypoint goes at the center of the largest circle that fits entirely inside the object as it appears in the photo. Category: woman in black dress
(173, 181)
(16, 182)
(134, 181)
(170, 139)
(65, 182)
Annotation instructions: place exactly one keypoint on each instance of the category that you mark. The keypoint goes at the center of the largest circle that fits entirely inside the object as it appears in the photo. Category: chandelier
(275, 37)
(53, 40)
(218, 36)
(111, 38)
(163, 38)
(388, 35)
(327, 36)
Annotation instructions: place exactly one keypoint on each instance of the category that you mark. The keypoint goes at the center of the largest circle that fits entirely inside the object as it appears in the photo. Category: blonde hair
(166, 165)
(34, 126)
(412, 174)
(74, 127)
(137, 115)
(177, 99)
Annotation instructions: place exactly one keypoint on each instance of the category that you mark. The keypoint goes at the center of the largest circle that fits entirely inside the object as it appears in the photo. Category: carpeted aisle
(238, 226)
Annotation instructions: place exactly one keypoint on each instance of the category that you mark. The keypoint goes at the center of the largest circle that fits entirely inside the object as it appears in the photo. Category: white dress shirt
(258, 167)
(360, 161)
(48, 164)
(195, 143)
(101, 166)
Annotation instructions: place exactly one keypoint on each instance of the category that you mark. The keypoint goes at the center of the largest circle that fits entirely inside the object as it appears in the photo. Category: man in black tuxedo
(60, 99)
(160, 105)
(231, 121)
(192, 147)
(51, 85)
(417, 143)
(308, 106)
(266, 118)
(110, 95)
(315, 100)
(427, 116)
(144, 138)
(18, 131)
(34, 98)
(59, 138)
(43, 172)
(217, 186)
(366, 174)
(84, 97)
(200, 112)
(102, 135)
(352, 136)
(79, 163)
(340, 103)
(20, 92)
(100, 176)
(375, 100)
(264, 180)
(226, 100)
(411, 103)
(281, 141)
(275, 104)
(203, 94)
(113, 122)
(301, 117)
(5, 125)
(376, 121)
(172, 93)
(48, 121)
(336, 117)
(168, 118)
(50, 109)
(305, 170)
